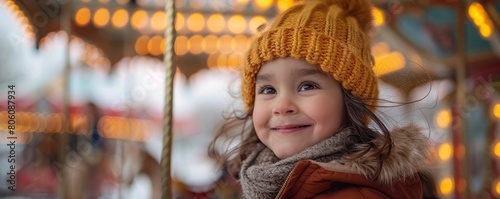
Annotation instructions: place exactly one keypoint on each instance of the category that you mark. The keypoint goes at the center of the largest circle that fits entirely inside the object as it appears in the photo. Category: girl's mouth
(285, 127)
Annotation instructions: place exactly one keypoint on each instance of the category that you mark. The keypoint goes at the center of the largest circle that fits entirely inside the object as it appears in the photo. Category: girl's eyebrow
(296, 72)
(264, 77)
(309, 71)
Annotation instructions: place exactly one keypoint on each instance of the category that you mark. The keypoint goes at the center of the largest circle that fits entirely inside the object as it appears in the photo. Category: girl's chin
(282, 154)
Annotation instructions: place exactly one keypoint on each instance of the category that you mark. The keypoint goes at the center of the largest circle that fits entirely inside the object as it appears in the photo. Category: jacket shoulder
(351, 192)
(312, 181)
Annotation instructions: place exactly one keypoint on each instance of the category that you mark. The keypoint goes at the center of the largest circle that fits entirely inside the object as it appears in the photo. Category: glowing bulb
(446, 186)
(82, 17)
(101, 17)
(443, 118)
(445, 151)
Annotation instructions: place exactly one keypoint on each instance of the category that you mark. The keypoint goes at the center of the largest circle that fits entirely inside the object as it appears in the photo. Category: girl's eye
(266, 90)
(308, 86)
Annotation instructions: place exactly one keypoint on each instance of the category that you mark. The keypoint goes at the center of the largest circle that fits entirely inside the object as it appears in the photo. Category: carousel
(120, 98)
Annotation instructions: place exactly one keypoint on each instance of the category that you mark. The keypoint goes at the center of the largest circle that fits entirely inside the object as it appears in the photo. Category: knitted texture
(263, 174)
(330, 34)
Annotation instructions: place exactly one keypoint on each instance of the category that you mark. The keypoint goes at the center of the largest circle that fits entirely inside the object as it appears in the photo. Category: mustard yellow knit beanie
(328, 33)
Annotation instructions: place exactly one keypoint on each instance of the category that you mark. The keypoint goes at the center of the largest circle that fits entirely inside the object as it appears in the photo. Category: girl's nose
(284, 106)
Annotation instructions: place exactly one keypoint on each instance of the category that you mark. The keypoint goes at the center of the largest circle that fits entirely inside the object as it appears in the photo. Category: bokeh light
(159, 21)
(101, 17)
(496, 110)
(256, 22)
(194, 44)
(196, 22)
(181, 45)
(446, 186)
(139, 19)
(216, 23)
(154, 45)
(378, 16)
(237, 24)
(445, 151)
(179, 21)
(283, 5)
(263, 4)
(443, 118)
(120, 18)
(82, 16)
(141, 45)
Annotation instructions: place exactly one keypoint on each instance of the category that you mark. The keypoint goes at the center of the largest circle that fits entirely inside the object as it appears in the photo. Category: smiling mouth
(289, 127)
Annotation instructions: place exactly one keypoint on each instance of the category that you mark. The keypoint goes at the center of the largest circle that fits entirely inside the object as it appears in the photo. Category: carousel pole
(459, 124)
(63, 185)
(168, 59)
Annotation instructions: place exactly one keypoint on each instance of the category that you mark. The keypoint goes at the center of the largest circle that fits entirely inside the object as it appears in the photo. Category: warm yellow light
(378, 16)
(139, 19)
(496, 149)
(216, 23)
(242, 1)
(388, 63)
(485, 30)
(194, 44)
(159, 21)
(263, 4)
(446, 186)
(29, 28)
(101, 17)
(162, 46)
(42, 119)
(380, 49)
(234, 60)
(58, 122)
(120, 18)
(226, 44)
(445, 151)
(212, 61)
(222, 60)
(473, 11)
(196, 22)
(256, 22)
(497, 187)
(82, 16)
(443, 118)
(237, 24)
(284, 5)
(13, 8)
(181, 45)
(241, 43)
(496, 110)
(141, 45)
(8, 3)
(179, 21)
(209, 44)
(479, 19)
(154, 45)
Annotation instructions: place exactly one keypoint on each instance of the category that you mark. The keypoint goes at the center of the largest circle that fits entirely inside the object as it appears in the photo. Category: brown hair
(358, 114)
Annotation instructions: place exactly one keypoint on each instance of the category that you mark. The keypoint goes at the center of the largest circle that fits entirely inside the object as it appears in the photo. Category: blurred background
(90, 87)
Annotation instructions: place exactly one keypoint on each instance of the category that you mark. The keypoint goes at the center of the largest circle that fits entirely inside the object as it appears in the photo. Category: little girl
(310, 94)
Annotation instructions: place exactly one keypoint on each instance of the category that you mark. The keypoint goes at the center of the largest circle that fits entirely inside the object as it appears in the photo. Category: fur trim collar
(410, 151)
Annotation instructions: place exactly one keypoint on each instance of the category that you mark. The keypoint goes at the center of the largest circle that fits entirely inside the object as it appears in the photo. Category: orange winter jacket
(310, 180)
(349, 179)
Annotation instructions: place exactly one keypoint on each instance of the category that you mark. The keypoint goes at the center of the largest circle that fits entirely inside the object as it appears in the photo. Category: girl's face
(296, 106)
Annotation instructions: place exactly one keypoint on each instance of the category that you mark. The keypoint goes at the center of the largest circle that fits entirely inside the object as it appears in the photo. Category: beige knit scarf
(262, 173)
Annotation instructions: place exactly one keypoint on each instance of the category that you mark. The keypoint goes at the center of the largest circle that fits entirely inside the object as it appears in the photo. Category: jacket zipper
(283, 186)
